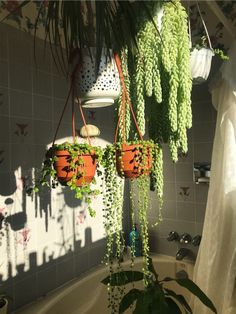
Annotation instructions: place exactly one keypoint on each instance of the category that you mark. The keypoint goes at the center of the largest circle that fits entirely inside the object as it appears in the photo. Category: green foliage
(161, 79)
(48, 174)
(203, 43)
(155, 297)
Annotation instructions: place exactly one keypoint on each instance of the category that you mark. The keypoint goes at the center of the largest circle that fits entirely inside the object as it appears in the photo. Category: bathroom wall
(47, 239)
(185, 201)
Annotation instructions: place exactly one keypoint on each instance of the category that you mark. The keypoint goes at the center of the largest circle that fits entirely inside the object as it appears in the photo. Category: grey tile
(186, 211)
(81, 262)
(169, 171)
(162, 246)
(169, 193)
(4, 157)
(8, 183)
(166, 226)
(25, 291)
(202, 111)
(46, 280)
(199, 228)
(4, 101)
(200, 212)
(19, 47)
(169, 210)
(4, 129)
(42, 57)
(23, 156)
(20, 104)
(20, 77)
(58, 107)
(203, 152)
(203, 132)
(185, 191)
(42, 108)
(186, 157)
(184, 172)
(96, 255)
(201, 193)
(60, 87)
(3, 42)
(65, 271)
(3, 73)
(42, 83)
(42, 132)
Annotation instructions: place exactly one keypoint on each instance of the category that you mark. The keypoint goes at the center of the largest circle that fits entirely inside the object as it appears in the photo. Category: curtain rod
(226, 22)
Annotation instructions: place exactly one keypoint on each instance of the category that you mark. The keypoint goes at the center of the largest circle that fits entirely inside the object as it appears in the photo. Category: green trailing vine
(161, 75)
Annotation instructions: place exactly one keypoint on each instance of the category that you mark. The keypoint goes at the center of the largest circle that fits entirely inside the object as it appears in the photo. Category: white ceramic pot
(200, 63)
(101, 91)
(3, 310)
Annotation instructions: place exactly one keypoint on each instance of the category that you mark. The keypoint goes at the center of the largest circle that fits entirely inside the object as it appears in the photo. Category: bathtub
(86, 295)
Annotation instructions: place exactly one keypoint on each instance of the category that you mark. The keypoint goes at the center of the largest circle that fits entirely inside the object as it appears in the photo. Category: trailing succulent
(156, 297)
(159, 76)
(48, 173)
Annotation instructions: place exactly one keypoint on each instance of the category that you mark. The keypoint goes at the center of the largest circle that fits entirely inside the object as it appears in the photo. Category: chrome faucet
(185, 238)
(182, 253)
(196, 240)
(173, 236)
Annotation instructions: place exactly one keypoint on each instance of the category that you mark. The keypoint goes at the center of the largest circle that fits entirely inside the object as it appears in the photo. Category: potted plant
(156, 297)
(3, 303)
(202, 52)
(71, 164)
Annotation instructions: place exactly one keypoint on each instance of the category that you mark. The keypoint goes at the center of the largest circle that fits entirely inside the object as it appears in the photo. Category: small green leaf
(195, 290)
(122, 278)
(129, 299)
(173, 307)
(180, 299)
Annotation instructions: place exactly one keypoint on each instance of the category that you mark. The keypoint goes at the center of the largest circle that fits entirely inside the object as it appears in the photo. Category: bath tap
(185, 238)
(182, 253)
(196, 240)
(173, 236)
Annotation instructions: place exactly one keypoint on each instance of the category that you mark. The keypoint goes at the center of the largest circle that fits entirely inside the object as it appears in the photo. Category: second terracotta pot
(133, 161)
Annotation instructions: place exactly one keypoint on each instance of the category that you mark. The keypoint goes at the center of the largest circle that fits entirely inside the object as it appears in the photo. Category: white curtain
(215, 271)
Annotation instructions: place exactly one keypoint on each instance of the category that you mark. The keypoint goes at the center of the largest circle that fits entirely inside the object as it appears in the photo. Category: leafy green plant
(48, 175)
(155, 297)
(203, 43)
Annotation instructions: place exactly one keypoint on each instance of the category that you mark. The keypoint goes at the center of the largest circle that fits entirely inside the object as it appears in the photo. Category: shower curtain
(215, 270)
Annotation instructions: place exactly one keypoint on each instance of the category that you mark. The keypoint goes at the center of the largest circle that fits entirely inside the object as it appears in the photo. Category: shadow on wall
(47, 239)
(37, 281)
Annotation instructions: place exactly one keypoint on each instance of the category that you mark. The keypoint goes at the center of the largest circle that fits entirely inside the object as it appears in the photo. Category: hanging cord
(62, 114)
(203, 23)
(125, 97)
(72, 91)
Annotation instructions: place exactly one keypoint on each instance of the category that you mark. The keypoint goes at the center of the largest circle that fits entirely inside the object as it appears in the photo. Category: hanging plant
(71, 164)
(131, 160)
(160, 78)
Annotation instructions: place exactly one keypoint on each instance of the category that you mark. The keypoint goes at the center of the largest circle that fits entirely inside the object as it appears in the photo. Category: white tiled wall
(61, 240)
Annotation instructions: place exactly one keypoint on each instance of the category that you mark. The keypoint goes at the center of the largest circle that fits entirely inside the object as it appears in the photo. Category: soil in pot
(85, 170)
(133, 161)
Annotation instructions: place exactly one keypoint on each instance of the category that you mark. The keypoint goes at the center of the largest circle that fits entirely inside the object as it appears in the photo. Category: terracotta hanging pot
(133, 160)
(85, 170)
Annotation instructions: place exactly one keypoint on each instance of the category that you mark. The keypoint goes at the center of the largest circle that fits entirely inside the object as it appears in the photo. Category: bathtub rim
(44, 303)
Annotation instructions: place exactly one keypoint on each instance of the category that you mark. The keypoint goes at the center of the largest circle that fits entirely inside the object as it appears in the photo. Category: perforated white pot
(101, 91)
(200, 63)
